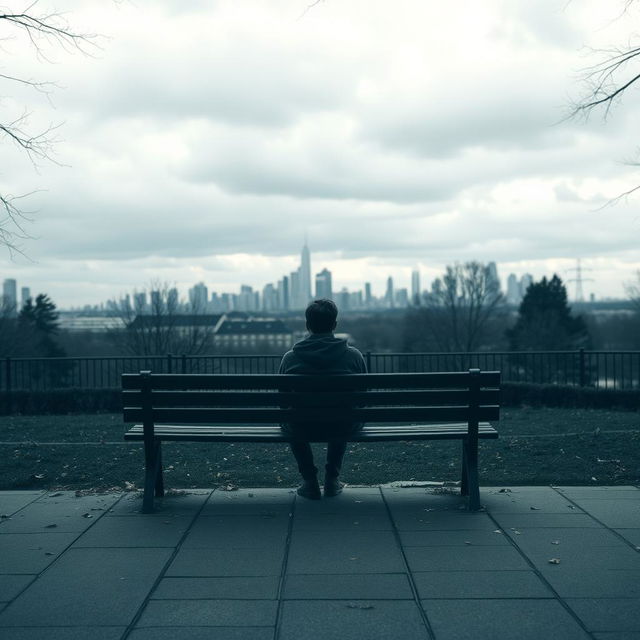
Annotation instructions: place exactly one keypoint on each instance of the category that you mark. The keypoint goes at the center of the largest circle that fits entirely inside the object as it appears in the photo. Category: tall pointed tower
(305, 275)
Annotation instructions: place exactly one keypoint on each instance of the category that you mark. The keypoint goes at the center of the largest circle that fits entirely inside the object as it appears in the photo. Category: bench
(250, 408)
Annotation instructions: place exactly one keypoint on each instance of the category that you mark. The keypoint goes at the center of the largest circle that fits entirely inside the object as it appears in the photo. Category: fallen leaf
(518, 533)
(555, 542)
(497, 531)
(360, 606)
(51, 526)
(467, 542)
(534, 508)
(87, 515)
(55, 495)
(554, 561)
(48, 553)
(504, 491)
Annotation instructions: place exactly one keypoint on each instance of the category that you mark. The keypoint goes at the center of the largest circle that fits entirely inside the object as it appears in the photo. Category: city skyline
(396, 135)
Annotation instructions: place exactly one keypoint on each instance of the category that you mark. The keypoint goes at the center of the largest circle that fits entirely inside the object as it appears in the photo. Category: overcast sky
(204, 139)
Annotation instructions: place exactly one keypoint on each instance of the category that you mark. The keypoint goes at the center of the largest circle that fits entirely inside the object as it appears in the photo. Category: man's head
(321, 316)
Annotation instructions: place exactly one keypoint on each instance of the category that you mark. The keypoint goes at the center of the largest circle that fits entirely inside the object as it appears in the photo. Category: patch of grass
(515, 458)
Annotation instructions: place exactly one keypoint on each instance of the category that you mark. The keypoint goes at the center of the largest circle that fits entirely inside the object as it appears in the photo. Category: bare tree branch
(41, 30)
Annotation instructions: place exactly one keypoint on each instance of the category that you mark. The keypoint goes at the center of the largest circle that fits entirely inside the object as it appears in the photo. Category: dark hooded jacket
(322, 353)
(317, 354)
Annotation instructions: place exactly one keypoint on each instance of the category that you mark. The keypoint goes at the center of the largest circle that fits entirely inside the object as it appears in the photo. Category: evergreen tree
(41, 320)
(545, 321)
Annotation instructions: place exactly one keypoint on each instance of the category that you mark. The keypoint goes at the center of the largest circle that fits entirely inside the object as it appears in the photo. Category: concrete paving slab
(522, 500)
(226, 562)
(608, 614)
(355, 502)
(442, 521)
(355, 620)
(593, 583)
(63, 633)
(504, 619)
(338, 552)
(65, 514)
(12, 585)
(250, 532)
(465, 559)
(203, 633)
(539, 519)
(430, 498)
(234, 588)
(577, 558)
(135, 532)
(389, 586)
(12, 501)
(618, 635)
(249, 502)
(186, 503)
(457, 538)
(341, 521)
(209, 613)
(480, 584)
(614, 513)
(601, 493)
(544, 539)
(31, 552)
(98, 587)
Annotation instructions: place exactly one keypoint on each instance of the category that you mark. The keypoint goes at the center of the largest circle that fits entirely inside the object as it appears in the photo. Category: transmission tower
(579, 279)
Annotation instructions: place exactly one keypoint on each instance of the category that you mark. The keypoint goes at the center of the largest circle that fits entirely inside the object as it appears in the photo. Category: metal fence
(598, 369)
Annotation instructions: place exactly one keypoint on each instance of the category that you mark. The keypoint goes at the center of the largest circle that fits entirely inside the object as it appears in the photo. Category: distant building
(305, 276)
(249, 333)
(368, 299)
(324, 286)
(140, 302)
(415, 287)
(25, 294)
(269, 298)
(182, 322)
(514, 295)
(389, 299)
(199, 297)
(341, 298)
(402, 298)
(525, 282)
(283, 293)
(10, 295)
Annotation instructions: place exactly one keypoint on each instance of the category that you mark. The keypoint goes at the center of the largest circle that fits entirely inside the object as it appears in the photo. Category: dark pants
(304, 457)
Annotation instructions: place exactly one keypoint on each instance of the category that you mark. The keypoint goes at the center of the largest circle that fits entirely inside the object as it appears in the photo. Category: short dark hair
(321, 316)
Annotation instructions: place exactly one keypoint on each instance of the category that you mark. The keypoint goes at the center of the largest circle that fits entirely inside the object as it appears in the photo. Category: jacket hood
(321, 350)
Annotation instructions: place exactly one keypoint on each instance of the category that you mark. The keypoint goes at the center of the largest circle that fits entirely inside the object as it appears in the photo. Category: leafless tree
(606, 81)
(460, 307)
(154, 322)
(43, 31)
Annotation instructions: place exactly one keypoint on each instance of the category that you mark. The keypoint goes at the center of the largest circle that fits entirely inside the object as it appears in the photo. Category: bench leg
(152, 458)
(473, 487)
(159, 475)
(464, 481)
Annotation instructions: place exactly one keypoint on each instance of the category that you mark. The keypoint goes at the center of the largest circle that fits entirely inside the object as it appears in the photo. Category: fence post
(7, 373)
(582, 371)
(184, 363)
(368, 357)
(169, 363)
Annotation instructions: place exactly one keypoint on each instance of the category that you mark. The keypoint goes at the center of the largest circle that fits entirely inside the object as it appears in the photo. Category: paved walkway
(258, 564)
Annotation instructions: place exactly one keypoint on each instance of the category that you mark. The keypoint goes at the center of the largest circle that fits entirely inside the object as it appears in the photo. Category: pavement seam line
(131, 626)
(283, 571)
(608, 528)
(408, 573)
(43, 492)
(541, 577)
(55, 560)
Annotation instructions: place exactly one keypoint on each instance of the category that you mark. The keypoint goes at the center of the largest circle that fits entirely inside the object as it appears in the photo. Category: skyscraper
(388, 296)
(415, 287)
(324, 286)
(198, 297)
(10, 295)
(368, 299)
(305, 276)
(25, 294)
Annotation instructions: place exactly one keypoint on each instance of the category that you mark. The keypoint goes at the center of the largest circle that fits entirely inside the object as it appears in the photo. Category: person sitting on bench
(321, 353)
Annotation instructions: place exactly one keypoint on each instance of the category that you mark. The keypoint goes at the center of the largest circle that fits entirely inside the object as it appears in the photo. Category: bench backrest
(469, 396)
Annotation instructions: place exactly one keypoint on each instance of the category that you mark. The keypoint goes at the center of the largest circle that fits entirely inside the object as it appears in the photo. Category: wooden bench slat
(429, 397)
(274, 433)
(303, 382)
(192, 415)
